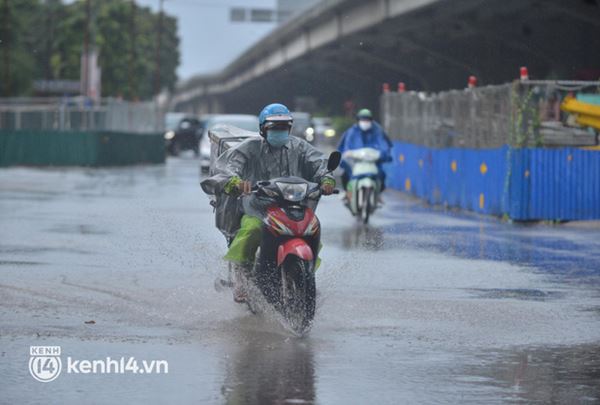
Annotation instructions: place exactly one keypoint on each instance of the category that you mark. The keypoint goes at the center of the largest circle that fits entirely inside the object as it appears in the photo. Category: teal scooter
(364, 185)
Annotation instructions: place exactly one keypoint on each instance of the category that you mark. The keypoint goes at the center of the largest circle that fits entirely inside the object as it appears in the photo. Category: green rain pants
(246, 241)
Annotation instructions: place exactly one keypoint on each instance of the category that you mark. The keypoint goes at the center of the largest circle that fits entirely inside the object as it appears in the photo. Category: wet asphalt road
(424, 306)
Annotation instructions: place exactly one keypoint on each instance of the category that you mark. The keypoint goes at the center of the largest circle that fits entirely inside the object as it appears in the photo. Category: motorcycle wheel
(366, 205)
(298, 293)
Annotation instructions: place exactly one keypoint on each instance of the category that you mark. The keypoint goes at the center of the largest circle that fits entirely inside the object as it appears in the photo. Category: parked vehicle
(364, 185)
(185, 136)
(244, 121)
(172, 120)
(301, 126)
(323, 131)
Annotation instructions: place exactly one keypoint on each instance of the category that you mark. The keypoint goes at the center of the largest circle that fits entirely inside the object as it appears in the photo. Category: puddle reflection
(271, 371)
(363, 237)
(565, 375)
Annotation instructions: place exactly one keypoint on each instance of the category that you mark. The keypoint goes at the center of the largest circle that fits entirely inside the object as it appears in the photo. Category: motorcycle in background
(364, 184)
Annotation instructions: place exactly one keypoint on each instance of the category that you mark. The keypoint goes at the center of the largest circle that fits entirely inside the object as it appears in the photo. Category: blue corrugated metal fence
(525, 184)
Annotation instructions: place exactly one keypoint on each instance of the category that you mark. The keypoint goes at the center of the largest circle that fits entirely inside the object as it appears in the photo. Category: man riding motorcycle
(365, 133)
(276, 154)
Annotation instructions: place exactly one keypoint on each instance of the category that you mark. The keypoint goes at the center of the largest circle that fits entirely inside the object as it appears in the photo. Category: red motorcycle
(284, 268)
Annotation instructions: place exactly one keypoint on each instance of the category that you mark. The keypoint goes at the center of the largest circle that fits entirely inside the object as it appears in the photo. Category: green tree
(44, 30)
(44, 39)
(18, 46)
(127, 39)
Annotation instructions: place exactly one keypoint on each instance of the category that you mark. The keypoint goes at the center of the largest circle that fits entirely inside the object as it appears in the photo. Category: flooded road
(423, 306)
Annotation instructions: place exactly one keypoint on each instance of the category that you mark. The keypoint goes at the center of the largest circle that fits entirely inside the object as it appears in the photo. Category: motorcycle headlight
(293, 192)
(169, 135)
(330, 132)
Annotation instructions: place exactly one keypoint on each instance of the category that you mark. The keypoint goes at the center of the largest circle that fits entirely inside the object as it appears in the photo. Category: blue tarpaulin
(589, 98)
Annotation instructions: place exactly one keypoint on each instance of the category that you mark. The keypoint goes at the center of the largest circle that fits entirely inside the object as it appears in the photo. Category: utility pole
(86, 50)
(6, 46)
(132, 54)
(158, 48)
(49, 28)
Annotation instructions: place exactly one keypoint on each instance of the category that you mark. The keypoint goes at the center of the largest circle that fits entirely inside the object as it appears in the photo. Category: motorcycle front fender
(366, 182)
(357, 187)
(297, 247)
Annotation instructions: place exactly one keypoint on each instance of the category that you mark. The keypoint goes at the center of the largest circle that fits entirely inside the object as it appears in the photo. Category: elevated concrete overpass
(345, 49)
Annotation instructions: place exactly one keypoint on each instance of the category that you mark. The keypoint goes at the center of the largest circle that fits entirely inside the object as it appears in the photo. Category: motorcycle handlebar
(257, 186)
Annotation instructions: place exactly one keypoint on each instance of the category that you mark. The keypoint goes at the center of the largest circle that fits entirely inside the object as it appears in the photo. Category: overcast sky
(208, 40)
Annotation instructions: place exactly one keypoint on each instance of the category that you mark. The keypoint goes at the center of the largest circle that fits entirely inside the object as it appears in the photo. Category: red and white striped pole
(524, 73)
(472, 82)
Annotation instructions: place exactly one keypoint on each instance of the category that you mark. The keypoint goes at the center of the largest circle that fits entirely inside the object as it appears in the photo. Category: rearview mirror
(334, 160)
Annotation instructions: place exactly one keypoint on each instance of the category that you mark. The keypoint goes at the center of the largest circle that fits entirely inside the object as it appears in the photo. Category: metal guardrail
(77, 115)
(523, 113)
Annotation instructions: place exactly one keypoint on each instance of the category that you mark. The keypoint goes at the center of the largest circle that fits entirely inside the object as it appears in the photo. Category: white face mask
(365, 125)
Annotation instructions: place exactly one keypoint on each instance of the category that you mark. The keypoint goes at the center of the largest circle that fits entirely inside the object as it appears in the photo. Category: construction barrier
(78, 114)
(520, 114)
(93, 148)
(520, 183)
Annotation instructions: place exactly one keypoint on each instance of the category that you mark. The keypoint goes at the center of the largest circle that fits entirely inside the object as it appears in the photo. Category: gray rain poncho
(255, 160)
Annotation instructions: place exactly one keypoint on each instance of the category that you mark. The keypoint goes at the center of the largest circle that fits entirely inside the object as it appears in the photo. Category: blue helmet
(274, 115)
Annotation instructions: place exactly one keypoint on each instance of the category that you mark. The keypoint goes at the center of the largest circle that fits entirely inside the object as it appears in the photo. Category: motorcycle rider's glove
(237, 186)
(327, 185)
(231, 187)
